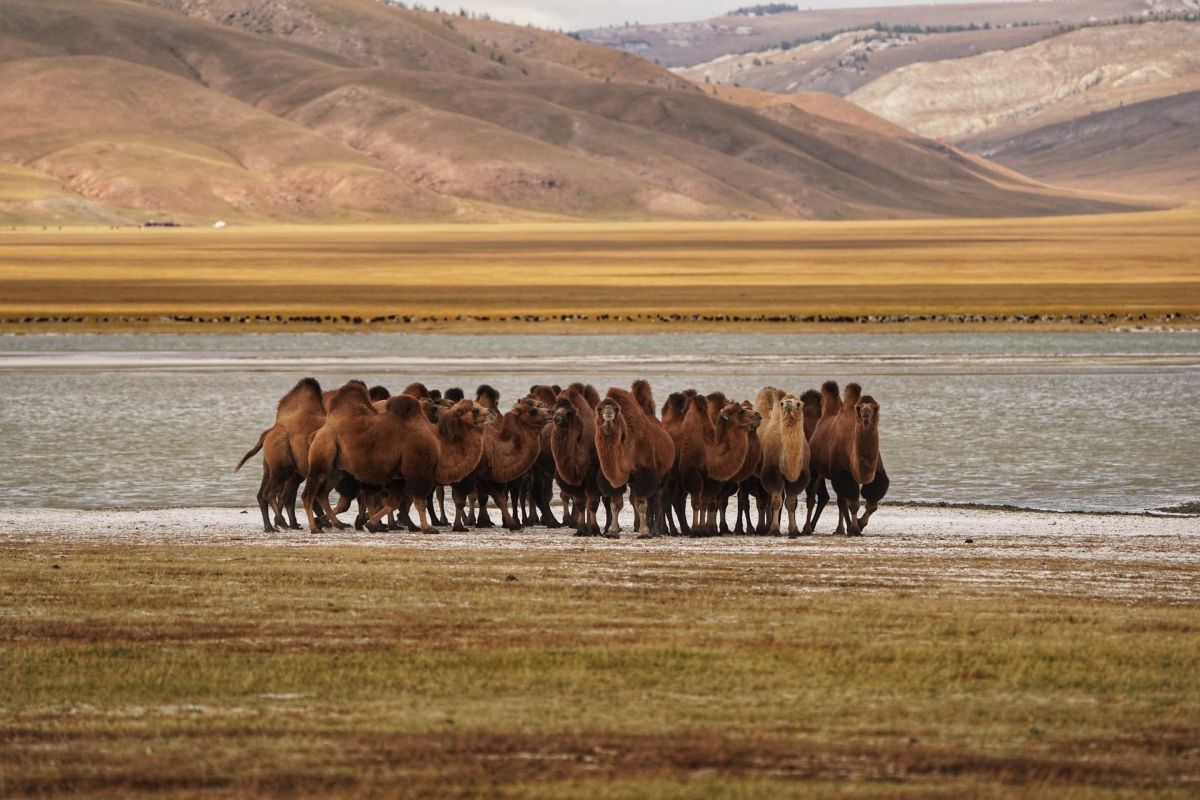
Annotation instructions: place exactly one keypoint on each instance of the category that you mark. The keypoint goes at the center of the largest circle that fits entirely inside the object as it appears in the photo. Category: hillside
(687, 44)
(1110, 108)
(350, 110)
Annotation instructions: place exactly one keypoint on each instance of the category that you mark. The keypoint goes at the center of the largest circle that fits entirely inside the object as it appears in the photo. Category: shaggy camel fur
(635, 451)
(299, 414)
(509, 451)
(748, 471)
(396, 451)
(674, 410)
(845, 449)
(784, 469)
(711, 452)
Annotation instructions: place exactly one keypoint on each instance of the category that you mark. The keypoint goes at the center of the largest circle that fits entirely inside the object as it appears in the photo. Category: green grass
(267, 671)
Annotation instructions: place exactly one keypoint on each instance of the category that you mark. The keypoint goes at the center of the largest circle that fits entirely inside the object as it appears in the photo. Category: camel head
(866, 411)
(469, 413)
(791, 408)
(531, 413)
(739, 416)
(564, 411)
(757, 421)
(608, 413)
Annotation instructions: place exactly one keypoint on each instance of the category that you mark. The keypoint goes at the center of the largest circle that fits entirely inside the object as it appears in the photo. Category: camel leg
(441, 499)
(419, 502)
(614, 505)
(460, 512)
(792, 501)
(373, 521)
(660, 527)
(330, 516)
(775, 509)
(542, 498)
(472, 500)
(287, 498)
(591, 512)
(507, 520)
(482, 520)
(762, 502)
(642, 523)
(308, 497)
(262, 500)
(872, 493)
(822, 494)
(680, 501)
(697, 509)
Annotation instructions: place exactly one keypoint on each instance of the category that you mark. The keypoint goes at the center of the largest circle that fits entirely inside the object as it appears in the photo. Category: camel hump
(764, 402)
(454, 394)
(352, 396)
(377, 393)
(830, 402)
(698, 402)
(675, 405)
(403, 406)
(306, 391)
(487, 397)
(811, 398)
(417, 390)
(853, 395)
(644, 396)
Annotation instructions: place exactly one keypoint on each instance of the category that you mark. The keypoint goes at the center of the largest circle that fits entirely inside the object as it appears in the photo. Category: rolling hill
(688, 44)
(352, 110)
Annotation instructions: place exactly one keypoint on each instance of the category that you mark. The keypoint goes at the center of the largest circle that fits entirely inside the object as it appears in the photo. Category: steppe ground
(950, 653)
(493, 278)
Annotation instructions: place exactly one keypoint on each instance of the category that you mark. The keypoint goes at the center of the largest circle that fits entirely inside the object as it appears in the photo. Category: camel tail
(261, 437)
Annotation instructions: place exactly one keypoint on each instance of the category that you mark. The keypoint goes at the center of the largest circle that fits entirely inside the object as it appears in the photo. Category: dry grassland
(833, 669)
(617, 275)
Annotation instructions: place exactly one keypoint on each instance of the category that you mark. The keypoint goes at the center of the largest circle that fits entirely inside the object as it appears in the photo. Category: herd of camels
(394, 452)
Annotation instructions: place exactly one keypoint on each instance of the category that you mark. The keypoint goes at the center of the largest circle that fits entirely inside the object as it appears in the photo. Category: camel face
(532, 413)
(739, 416)
(867, 411)
(607, 411)
(564, 412)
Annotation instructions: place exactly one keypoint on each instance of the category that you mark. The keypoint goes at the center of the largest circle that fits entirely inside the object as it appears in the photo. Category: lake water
(1082, 421)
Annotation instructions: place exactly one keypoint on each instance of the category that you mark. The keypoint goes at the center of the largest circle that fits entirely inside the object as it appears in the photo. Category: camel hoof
(296, 526)
(486, 523)
(430, 530)
(647, 536)
(270, 529)
(459, 528)
(854, 533)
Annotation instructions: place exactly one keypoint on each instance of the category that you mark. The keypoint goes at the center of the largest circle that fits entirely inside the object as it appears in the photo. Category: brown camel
(713, 442)
(396, 451)
(845, 449)
(674, 410)
(749, 469)
(577, 466)
(298, 415)
(635, 451)
(509, 451)
(784, 469)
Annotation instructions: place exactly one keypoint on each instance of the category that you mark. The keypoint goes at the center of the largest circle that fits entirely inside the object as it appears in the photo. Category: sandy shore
(1133, 556)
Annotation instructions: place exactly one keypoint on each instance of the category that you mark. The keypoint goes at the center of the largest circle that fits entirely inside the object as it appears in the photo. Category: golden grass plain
(619, 275)
(242, 670)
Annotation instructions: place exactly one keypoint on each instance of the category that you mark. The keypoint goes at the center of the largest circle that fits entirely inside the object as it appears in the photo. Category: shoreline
(569, 324)
(893, 524)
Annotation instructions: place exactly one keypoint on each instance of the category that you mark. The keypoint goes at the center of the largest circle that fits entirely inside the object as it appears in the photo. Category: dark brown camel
(509, 452)
(396, 451)
(635, 451)
(845, 449)
(711, 452)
